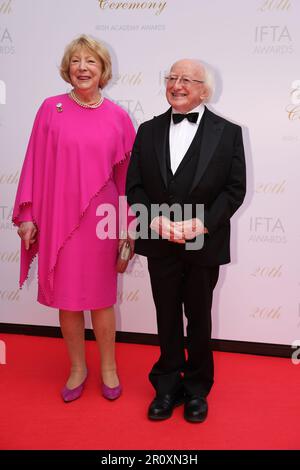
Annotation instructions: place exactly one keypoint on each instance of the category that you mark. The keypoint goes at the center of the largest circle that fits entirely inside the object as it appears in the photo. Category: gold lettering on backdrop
(131, 296)
(264, 313)
(157, 7)
(293, 109)
(267, 271)
(271, 5)
(10, 257)
(128, 79)
(295, 93)
(9, 178)
(293, 112)
(271, 188)
(10, 295)
(5, 7)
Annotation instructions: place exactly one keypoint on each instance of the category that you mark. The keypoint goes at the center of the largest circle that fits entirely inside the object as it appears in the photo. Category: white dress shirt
(181, 136)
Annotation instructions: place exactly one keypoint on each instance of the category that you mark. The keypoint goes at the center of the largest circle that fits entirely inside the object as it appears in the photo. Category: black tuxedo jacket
(219, 183)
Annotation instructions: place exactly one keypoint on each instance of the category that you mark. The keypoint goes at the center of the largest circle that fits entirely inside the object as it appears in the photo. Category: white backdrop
(253, 46)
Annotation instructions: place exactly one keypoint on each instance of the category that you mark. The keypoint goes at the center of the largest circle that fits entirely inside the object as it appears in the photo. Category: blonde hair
(96, 48)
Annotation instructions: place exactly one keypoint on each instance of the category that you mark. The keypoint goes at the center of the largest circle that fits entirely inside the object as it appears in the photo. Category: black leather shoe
(162, 406)
(195, 409)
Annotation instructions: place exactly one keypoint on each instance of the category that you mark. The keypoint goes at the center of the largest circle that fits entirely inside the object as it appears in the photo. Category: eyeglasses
(172, 79)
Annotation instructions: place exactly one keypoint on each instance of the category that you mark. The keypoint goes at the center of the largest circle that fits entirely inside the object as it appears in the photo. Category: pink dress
(76, 160)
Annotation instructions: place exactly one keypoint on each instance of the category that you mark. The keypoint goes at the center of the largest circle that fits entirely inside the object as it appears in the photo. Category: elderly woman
(76, 160)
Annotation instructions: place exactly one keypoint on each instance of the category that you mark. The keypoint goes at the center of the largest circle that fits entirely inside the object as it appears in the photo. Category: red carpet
(254, 403)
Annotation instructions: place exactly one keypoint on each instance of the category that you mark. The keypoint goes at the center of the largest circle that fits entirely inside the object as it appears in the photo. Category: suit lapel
(212, 132)
(161, 125)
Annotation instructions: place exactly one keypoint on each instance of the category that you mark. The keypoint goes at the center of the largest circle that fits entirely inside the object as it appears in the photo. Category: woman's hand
(27, 232)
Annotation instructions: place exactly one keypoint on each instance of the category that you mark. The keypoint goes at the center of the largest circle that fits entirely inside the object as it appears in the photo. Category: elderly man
(186, 156)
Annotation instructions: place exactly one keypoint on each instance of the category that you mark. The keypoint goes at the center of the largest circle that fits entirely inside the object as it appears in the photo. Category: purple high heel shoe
(111, 393)
(69, 394)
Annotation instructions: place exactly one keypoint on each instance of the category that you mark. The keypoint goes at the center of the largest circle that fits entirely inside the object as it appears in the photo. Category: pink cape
(56, 184)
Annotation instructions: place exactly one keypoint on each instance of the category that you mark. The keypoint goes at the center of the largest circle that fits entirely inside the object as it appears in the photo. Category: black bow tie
(191, 117)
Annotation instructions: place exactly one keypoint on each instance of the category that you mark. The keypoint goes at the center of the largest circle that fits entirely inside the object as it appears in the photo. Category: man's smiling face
(183, 98)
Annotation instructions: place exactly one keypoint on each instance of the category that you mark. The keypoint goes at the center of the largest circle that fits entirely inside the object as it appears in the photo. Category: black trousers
(177, 284)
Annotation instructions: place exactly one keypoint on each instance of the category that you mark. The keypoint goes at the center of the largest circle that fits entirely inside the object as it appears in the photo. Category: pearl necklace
(84, 105)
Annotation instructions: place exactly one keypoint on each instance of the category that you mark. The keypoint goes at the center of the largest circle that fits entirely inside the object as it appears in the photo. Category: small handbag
(124, 257)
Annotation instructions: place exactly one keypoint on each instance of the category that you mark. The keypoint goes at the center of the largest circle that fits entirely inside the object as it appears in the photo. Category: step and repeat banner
(253, 46)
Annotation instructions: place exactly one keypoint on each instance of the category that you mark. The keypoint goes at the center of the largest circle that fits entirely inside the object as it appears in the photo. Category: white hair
(209, 81)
